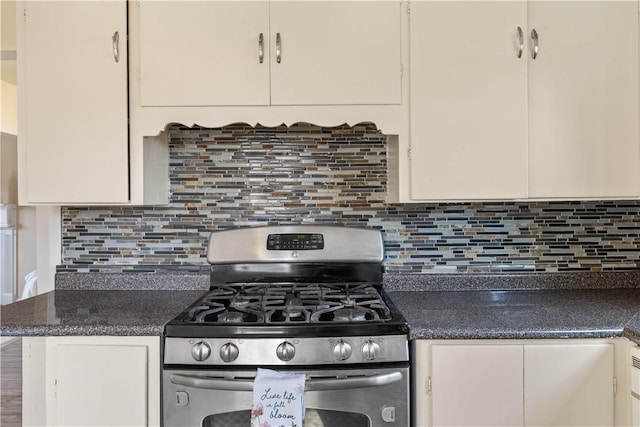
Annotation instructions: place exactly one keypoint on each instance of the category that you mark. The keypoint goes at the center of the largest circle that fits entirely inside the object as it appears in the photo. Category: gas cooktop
(297, 309)
(283, 303)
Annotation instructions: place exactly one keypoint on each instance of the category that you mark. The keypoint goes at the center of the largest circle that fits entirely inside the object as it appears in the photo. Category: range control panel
(295, 241)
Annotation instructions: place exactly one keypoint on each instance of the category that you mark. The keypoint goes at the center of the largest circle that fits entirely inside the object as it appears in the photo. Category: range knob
(201, 351)
(285, 351)
(342, 350)
(370, 350)
(229, 352)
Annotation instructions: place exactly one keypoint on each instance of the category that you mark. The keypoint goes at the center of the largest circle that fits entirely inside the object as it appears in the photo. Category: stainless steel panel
(376, 403)
(249, 245)
(308, 351)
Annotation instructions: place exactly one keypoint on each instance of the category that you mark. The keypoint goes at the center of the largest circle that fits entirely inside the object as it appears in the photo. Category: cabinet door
(583, 100)
(345, 52)
(476, 385)
(100, 381)
(468, 101)
(635, 386)
(73, 102)
(568, 385)
(199, 53)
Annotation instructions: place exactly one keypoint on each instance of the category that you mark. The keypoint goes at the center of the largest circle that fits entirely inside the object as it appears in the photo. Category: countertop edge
(176, 280)
(89, 330)
(516, 281)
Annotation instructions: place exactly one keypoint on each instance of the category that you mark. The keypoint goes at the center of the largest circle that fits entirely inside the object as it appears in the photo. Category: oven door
(372, 397)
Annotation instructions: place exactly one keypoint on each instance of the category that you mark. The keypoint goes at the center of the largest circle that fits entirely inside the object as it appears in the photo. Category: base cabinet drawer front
(515, 383)
(93, 381)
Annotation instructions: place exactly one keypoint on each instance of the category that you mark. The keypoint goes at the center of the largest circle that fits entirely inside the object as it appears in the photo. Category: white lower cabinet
(635, 386)
(91, 381)
(568, 385)
(515, 383)
(476, 385)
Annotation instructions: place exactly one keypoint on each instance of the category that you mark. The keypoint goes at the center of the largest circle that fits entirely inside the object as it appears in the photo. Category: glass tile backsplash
(240, 175)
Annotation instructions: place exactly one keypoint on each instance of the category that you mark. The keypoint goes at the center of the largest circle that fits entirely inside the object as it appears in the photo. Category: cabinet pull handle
(278, 48)
(115, 42)
(261, 48)
(520, 42)
(536, 45)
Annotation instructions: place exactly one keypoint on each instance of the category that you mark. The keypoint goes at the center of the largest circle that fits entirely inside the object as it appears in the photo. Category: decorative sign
(278, 399)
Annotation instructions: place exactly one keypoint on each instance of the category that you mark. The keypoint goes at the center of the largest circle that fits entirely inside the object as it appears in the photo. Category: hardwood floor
(11, 384)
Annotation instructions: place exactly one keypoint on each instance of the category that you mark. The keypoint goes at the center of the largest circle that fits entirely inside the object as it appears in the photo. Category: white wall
(8, 169)
(9, 117)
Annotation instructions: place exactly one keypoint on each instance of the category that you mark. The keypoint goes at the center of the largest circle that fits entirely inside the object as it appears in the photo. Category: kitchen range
(305, 299)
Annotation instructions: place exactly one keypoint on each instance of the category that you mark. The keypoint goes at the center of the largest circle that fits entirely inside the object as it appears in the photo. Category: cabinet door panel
(100, 385)
(583, 100)
(477, 385)
(200, 53)
(345, 52)
(568, 385)
(75, 102)
(468, 101)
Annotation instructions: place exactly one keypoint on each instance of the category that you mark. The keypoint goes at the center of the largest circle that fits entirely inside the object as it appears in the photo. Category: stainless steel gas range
(306, 299)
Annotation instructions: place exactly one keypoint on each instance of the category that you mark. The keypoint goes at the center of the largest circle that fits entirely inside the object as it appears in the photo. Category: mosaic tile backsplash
(240, 175)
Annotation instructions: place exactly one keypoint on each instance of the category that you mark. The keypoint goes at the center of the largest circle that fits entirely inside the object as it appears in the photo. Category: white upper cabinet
(72, 112)
(487, 123)
(583, 100)
(335, 52)
(468, 101)
(198, 53)
(221, 53)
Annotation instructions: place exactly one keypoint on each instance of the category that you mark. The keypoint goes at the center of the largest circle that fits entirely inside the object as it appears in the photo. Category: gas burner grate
(290, 303)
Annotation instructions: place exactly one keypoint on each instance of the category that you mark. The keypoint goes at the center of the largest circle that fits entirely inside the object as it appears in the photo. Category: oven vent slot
(635, 362)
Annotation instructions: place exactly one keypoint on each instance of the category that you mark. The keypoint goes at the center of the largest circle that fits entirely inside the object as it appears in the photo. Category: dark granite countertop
(443, 307)
(575, 313)
(95, 312)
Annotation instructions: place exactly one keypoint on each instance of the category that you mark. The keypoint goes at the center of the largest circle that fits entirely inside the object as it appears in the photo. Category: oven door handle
(310, 385)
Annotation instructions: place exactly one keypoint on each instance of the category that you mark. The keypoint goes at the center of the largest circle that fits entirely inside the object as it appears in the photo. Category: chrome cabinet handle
(261, 48)
(520, 42)
(115, 42)
(210, 383)
(278, 48)
(536, 45)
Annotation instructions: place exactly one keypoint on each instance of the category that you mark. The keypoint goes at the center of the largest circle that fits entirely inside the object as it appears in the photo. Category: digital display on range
(295, 241)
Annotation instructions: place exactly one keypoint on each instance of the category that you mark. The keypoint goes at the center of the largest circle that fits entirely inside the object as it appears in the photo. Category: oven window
(312, 418)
